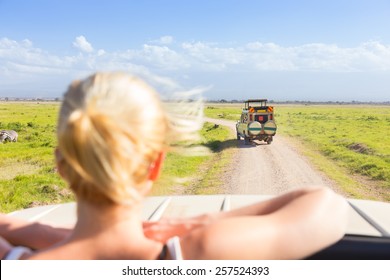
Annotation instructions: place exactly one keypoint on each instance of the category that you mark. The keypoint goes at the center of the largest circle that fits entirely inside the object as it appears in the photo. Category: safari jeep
(257, 122)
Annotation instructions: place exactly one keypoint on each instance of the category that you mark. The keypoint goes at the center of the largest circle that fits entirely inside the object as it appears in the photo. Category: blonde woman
(113, 132)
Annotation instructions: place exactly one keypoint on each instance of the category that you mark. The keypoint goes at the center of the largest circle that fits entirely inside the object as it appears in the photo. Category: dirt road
(268, 169)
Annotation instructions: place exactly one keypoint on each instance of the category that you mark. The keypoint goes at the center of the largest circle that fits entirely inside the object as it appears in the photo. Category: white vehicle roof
(369, 218)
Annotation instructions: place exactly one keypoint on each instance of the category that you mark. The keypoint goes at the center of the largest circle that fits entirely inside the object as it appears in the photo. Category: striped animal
(8, 135)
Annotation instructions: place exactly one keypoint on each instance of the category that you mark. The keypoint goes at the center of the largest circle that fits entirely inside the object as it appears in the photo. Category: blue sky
(231, 49)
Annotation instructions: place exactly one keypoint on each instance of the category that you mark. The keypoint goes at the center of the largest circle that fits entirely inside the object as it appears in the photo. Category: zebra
(8, 135)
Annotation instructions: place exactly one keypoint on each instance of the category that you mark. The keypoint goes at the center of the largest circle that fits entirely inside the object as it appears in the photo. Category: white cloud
(101, 52)
(163, 40)
(82, 44)
(198, 56)
(23, 53)
(27, 43)
(165, 66)
(166, 40)
(155, 57)
(209, 57)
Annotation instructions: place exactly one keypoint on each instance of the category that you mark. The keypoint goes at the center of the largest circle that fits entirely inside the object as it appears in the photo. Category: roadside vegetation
(195, 169)
(350, 143)
(230, 112)
(353, 143)
(27, 171)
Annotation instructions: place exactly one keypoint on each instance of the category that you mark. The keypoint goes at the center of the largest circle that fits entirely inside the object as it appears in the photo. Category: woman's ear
(155, 168)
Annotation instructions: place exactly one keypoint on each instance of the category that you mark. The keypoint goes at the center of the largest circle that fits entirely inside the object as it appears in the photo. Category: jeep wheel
(246, 140)
(238, 136)
(269, 140)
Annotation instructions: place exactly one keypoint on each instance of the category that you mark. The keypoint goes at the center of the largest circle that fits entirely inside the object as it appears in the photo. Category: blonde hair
(111, 129)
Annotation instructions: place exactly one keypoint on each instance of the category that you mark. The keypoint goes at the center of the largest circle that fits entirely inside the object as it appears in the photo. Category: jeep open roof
(263, 102)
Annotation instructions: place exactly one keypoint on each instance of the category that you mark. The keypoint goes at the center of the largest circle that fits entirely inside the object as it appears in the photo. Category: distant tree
(6, 99)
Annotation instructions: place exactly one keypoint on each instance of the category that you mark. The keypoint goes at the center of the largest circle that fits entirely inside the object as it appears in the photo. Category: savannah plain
(348, 144)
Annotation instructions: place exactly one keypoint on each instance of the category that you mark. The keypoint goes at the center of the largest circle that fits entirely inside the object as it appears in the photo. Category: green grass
(349, 143)
(224, 111)
(342, 141)
(27, 176)
(193, 171)
(27, 170)
(219, 140)
(355, 138)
